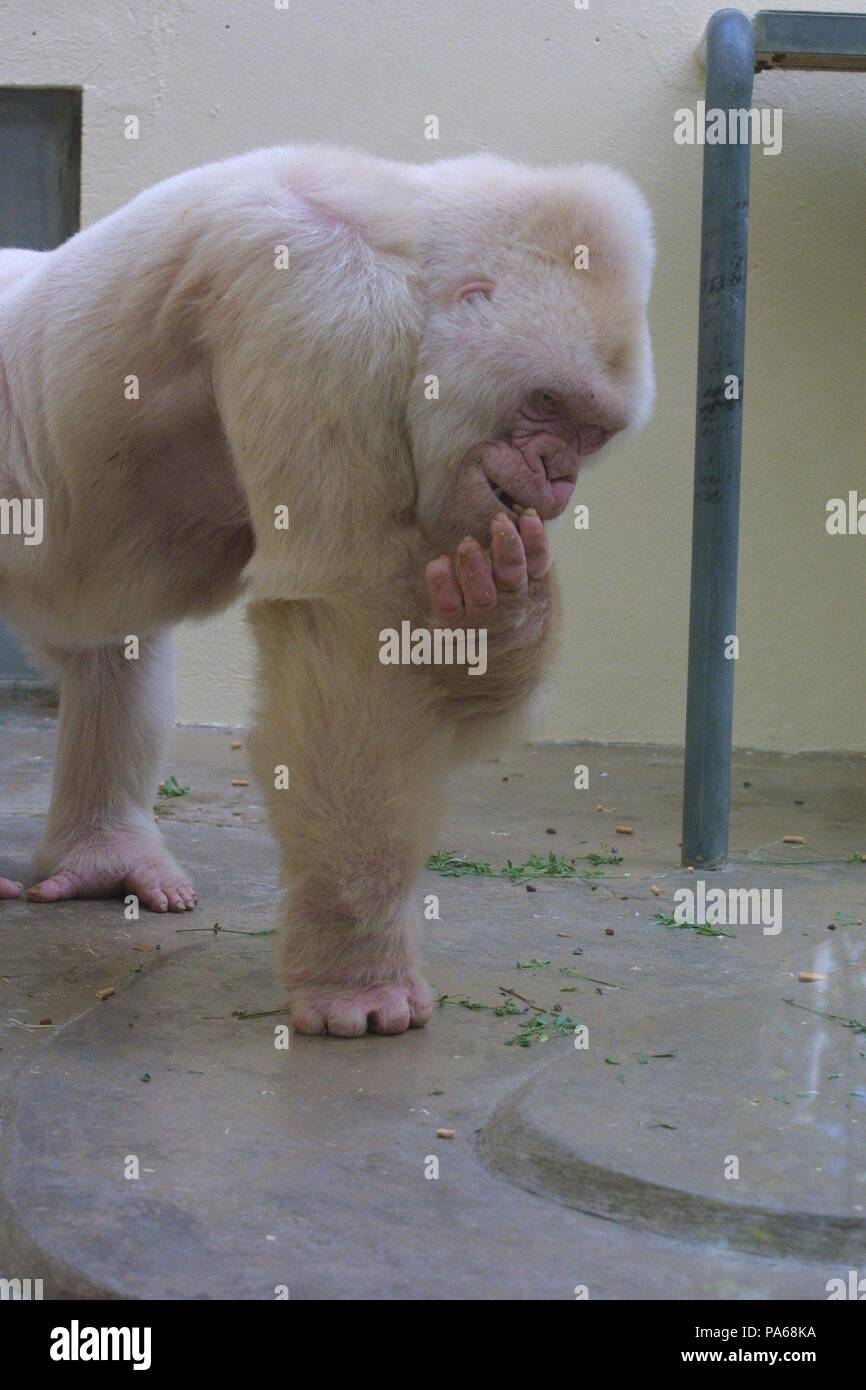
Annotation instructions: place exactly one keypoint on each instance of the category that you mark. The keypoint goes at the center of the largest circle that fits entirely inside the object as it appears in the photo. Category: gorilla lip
(545, 476)
(505, 500)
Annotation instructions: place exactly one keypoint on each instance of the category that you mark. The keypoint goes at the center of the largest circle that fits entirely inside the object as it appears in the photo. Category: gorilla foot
(113, 864)
(344, 1012)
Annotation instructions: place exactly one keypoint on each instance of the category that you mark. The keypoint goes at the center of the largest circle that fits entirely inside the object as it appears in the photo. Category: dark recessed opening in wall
(40, 165)
(40, 200)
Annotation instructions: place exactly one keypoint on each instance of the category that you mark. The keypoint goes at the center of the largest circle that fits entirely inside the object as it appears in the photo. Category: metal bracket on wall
(733, 49)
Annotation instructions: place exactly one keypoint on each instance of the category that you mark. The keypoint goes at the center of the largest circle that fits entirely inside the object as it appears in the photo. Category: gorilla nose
(590, 415)
(596, 416)
(591, 438)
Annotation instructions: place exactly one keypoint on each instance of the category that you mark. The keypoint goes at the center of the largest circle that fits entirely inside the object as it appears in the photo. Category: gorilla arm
(368, 747)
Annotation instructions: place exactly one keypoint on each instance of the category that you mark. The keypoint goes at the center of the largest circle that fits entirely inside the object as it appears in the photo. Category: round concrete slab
(753, 1131)
(158, 1146)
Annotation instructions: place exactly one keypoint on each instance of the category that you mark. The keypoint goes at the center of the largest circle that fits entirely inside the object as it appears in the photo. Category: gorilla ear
(474, 289)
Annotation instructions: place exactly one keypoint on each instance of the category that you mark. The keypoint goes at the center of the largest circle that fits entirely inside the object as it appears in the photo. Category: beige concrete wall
(540, 80)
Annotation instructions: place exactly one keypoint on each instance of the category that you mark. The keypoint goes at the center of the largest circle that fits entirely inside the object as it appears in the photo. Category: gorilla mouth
(507, 480)
(501, 495)
(508, 501)
(535, 477)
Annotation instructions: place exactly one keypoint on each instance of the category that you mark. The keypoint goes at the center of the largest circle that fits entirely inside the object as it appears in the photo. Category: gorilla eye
(543, 404)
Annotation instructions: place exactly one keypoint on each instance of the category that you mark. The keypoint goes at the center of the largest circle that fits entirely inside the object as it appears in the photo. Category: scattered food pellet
(235, 743)
(807, 977)
(793, 839)
(445, 1133)
(240, 782)
(105, 993)
(655, 890)
(44, 1022)
(625, 830)
(609, 931)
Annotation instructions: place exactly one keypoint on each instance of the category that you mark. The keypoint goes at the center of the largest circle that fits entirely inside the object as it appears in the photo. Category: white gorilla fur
(262, 387)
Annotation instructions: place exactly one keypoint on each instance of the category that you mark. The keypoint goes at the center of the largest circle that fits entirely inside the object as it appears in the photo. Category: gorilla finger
(509, 556)
(475, 576)
(535, 544)
(445, 592)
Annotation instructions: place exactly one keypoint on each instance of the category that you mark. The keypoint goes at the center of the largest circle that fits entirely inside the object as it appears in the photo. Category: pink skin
(110, 865)
(468, 588)
(536, 461)
(343, 1013)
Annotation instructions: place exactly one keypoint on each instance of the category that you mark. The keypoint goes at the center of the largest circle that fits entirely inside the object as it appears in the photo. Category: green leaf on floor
(607, 856)
(464, 1002)
(217, 930)
(452, 865)
(852, 1023)
(665, 919)
(171, 787)
(543, 866)
(541, 1026)
(445, 861)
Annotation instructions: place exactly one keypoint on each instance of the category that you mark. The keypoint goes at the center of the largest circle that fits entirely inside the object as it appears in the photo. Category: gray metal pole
(718, 431)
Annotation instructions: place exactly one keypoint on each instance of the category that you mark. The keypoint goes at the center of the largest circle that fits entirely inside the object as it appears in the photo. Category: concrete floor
(602, 1168)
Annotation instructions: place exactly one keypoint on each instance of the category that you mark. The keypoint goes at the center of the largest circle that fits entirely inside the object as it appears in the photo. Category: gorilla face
(536, 342)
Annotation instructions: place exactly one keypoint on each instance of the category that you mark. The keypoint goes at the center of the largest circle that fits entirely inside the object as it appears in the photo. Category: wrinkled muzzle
(536, 464)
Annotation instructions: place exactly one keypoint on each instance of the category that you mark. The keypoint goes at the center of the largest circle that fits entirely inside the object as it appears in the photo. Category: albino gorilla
(414, 361)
